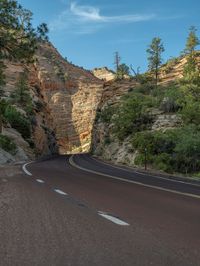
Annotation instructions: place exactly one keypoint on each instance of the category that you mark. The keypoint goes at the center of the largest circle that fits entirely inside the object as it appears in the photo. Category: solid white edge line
(40, 181)
(60, 192)
(131, 181)
(146, 174)
(25, 170)
(113, 219)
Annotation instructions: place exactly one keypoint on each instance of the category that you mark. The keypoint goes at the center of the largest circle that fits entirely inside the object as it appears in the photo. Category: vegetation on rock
(169, 149)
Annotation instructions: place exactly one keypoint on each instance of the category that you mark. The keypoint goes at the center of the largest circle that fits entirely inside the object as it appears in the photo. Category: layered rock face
(104, 74)
(72, 95)
(42, 126)
(111, 96)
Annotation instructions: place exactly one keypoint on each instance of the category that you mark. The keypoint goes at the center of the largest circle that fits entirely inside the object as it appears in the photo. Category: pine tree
(122, 71)
(21, 95)
(192, 41)
(154, 52)
(191, 71)
(18, 39)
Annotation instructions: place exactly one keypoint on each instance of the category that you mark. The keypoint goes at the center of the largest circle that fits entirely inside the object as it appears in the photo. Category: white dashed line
(40, 181)
(113, 219)
(25, 170)
(60, 192)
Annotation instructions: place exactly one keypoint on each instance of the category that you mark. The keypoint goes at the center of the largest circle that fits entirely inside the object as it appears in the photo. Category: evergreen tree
(21, 95)
(122, 71)
(42, 31)
(192, 41)
(18, 39)
(154, 52)
(191, 71)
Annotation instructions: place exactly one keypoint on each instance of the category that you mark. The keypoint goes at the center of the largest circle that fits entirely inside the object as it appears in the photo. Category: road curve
(64, 215)
(176, 185)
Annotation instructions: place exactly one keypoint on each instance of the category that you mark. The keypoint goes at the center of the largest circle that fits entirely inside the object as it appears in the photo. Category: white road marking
(112, 219)
(146, 174)
(131, 181)
(25, 170)
(40, 181)
(60, 192)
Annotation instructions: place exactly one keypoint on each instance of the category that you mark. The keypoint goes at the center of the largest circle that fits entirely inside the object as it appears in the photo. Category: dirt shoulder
(10, 170)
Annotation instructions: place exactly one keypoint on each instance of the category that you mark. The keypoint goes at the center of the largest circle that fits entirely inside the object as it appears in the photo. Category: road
(81, 211)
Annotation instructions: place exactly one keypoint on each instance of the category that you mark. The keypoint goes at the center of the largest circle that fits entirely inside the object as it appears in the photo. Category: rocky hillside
(68, 100)
(65, 98)
(124, 124)
(43, 136)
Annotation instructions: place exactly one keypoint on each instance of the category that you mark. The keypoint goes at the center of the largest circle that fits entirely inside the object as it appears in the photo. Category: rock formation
(66, 99)
(104, 74)
(72, 95)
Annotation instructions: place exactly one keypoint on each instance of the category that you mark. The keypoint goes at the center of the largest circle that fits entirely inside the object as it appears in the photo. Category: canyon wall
(72, 95)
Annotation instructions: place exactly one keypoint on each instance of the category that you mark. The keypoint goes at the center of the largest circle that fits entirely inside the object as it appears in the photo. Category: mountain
(68, 105)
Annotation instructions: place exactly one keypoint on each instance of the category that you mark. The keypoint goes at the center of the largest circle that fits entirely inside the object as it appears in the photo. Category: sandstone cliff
(104, 74)
(65, 98)
(72, 95)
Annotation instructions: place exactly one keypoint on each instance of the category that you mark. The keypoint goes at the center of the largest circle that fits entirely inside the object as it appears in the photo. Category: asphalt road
(63, 214)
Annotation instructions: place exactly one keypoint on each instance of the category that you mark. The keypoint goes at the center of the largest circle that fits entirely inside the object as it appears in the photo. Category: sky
(88, 33)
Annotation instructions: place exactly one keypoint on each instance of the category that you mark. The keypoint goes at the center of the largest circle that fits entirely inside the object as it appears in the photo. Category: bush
(171, 99)
(18, 121)
(174, 150)
(132, 116)
(106, 114)
(191, 113)
(7, 144)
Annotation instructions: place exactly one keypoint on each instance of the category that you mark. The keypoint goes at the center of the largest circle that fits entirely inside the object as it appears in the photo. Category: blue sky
(89, 32)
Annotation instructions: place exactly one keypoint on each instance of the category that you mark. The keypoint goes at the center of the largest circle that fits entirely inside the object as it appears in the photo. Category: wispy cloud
(88, 19)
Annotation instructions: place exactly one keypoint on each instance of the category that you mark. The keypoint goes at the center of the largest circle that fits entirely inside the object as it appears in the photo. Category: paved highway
(76, 210)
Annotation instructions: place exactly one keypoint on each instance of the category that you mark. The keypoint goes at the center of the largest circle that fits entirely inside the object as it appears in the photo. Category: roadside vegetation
(18, 43)
(174, 149)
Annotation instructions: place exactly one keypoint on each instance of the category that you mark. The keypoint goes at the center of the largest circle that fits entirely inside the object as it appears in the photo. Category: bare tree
(117, 61)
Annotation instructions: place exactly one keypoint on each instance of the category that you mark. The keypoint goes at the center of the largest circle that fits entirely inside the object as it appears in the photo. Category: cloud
(85, 19)
(89, 13)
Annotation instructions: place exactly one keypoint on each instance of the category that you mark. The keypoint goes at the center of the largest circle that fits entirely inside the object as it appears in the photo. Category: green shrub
(133, 115)
(18, 121)
(7, 144)
(107, 140)
(163, 162)
(173, 150)
(106, 114)
(191, 113)
(3, 105)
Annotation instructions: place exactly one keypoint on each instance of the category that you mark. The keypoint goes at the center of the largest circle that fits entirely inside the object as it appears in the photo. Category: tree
(117, 60)
(123, 70)
(154, 52)
(192, 41)
(42, 31)
(21, 95)
(18, 39)
(191, 71)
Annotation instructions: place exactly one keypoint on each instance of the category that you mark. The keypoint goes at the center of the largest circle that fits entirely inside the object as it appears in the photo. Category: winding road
(77, 210)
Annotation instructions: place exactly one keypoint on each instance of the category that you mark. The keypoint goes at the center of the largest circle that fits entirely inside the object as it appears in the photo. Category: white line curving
(71, 161)
(146, 174)
(25, 170)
